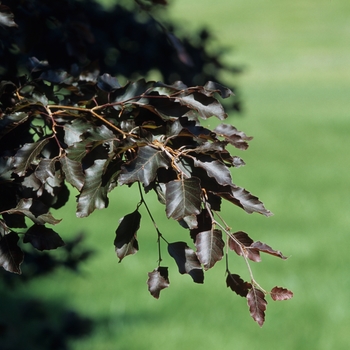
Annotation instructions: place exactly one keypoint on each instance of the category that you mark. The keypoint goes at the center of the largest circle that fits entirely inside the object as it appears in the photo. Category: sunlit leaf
(241, 243)
(77, 151)
(32, 182)
(28, 207)
(125, 241)
(45, 169)
(11, 256)
(267, 249)
(27, 154)
(9, 122)
(130, 91)
(73, 172)
(4, 229)
(237, 285)
(144, 167)
(157, 281)
(6, 17)
(191, 221)
(244, 199)
(192, 128)
(233, 136)
(279, 293)
(214, 169)
(212, 87)
(74, 131)
(257, 305)
(204, 105)
(237, 162)
(186, 260)
(183, 198)
(93, 195)
(209, 245)
(204, 223)
(43, 238)
(108, 83)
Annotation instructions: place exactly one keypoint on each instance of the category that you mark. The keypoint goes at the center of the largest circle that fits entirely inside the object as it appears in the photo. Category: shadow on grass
(28, 322)
(31, 324)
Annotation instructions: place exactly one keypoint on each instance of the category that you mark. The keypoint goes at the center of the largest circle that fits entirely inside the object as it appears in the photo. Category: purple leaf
(244, 199)
(204, 223)
(186, 260)
(183, 198)
(158, 280)
(210, 87)
(267, 249)
(215, 169)
(6, 17)
(43, 238)
(205, 106)
(144, 167)
(209, 246)
(11, 256)
(233, 136)
(29, 207)
(125, 241)
(93, 195)
(279, 293)
(257, 305)
(27, 154)
(237, 285)
(73, 172)
(243, 246)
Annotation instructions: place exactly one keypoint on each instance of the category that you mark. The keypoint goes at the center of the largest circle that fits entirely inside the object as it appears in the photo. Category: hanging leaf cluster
(97, 135)
(89, 131)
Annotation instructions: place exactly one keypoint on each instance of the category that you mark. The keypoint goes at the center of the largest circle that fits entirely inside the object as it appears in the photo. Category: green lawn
(296, 89)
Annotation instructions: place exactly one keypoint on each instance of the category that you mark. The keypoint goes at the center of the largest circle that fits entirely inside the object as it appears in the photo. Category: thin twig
(160, 236)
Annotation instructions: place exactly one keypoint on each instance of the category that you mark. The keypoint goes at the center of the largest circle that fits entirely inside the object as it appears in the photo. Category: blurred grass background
(296, 87)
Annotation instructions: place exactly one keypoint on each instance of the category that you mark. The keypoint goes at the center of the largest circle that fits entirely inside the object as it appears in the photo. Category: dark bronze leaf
(125, 241)
(73, 172)
(9, 122)
(244, 199)
(186, 260)
(93, 195)
(189, 221)
(279, 293)
(130, 91)
(209, 245)
(204, 223)
(243, 247)
(29, 208)
(267, 249)
(144, 167)
(43, 238)
(74, 131)
(158, 280)
(237, 285)
(257, 305)
(204, 105)
(11, 256)
(6, 17)
(212, 87)
(214, 169)
(183, 198)
(27, 154)
(107, 83)
(233, 136)
(45, 169)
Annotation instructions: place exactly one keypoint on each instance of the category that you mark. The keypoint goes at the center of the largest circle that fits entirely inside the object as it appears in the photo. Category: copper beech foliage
(90, 132)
